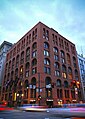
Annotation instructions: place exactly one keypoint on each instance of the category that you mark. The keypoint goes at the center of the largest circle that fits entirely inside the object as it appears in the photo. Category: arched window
(21, 72)
(62, 53)
(13, 63)
(27, 65)
(34, 50)
(64, 73)
(16, 72)
(48, 87)
(59, 93)
(62, 56)
(76, 74)
(46, 45)
(33, 88)
(8, 67)
(65, 84)
(27, 69)
(58, 83)
(46, 61)
(74, 62)
(48, 80)
(17, 61)
(27, 54)
(34, 46)
(21, 69)
(22, 57)
(70, 73)
(56, 65)
(34, 62)
(55, 50)
(68, 59)
(26, 84)
(12, 75)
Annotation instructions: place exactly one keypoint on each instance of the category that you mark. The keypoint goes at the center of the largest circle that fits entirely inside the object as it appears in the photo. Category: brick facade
(42, 63)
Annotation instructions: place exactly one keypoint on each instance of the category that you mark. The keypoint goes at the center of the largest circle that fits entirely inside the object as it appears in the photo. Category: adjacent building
(42, 68)
(4, 47)
(81, 61)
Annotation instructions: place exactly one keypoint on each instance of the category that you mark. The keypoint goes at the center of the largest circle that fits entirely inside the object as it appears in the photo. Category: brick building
(42, 68)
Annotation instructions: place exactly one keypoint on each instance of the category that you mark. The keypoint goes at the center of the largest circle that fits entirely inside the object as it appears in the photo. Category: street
(26, 115)
(52, 113)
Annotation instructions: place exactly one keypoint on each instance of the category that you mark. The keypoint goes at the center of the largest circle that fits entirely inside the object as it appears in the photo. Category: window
(73, 49)
(65, 84)
(34, 46)
(68, 59)
(33, 89)
(46, 61)
(21, 70)
(26, 83)
(13, 63)
(27, 74)
(49, 92)
(62, 54)
(46, 45)
(56, 65)
(55, 50)
(47, 70)
(17, 61)
(70, 73)
(22, 58)
(34, 62)
(62, 57)
(66, 93)
(45, 34)
(8, 68)
(57, 73)
(74, 62)
(59, 93)
(64, 74)
(27, 54)
(46, 53)
(66, 46)
(76, 74)
(27, 65)
(58, 83)
(73, 94)
(34, 54)
(62, 60)
(16, 72)
(56, 57)
(34, 70)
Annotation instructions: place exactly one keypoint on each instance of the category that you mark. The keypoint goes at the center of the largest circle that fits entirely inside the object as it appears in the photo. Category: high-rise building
(81, 61)
(42, 67)
(4, 47)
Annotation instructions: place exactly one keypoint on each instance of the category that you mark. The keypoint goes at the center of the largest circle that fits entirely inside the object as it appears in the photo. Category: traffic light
(39, 97)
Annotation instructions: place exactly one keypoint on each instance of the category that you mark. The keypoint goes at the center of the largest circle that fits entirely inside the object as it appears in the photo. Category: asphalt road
(50, 114)
(15, 114)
